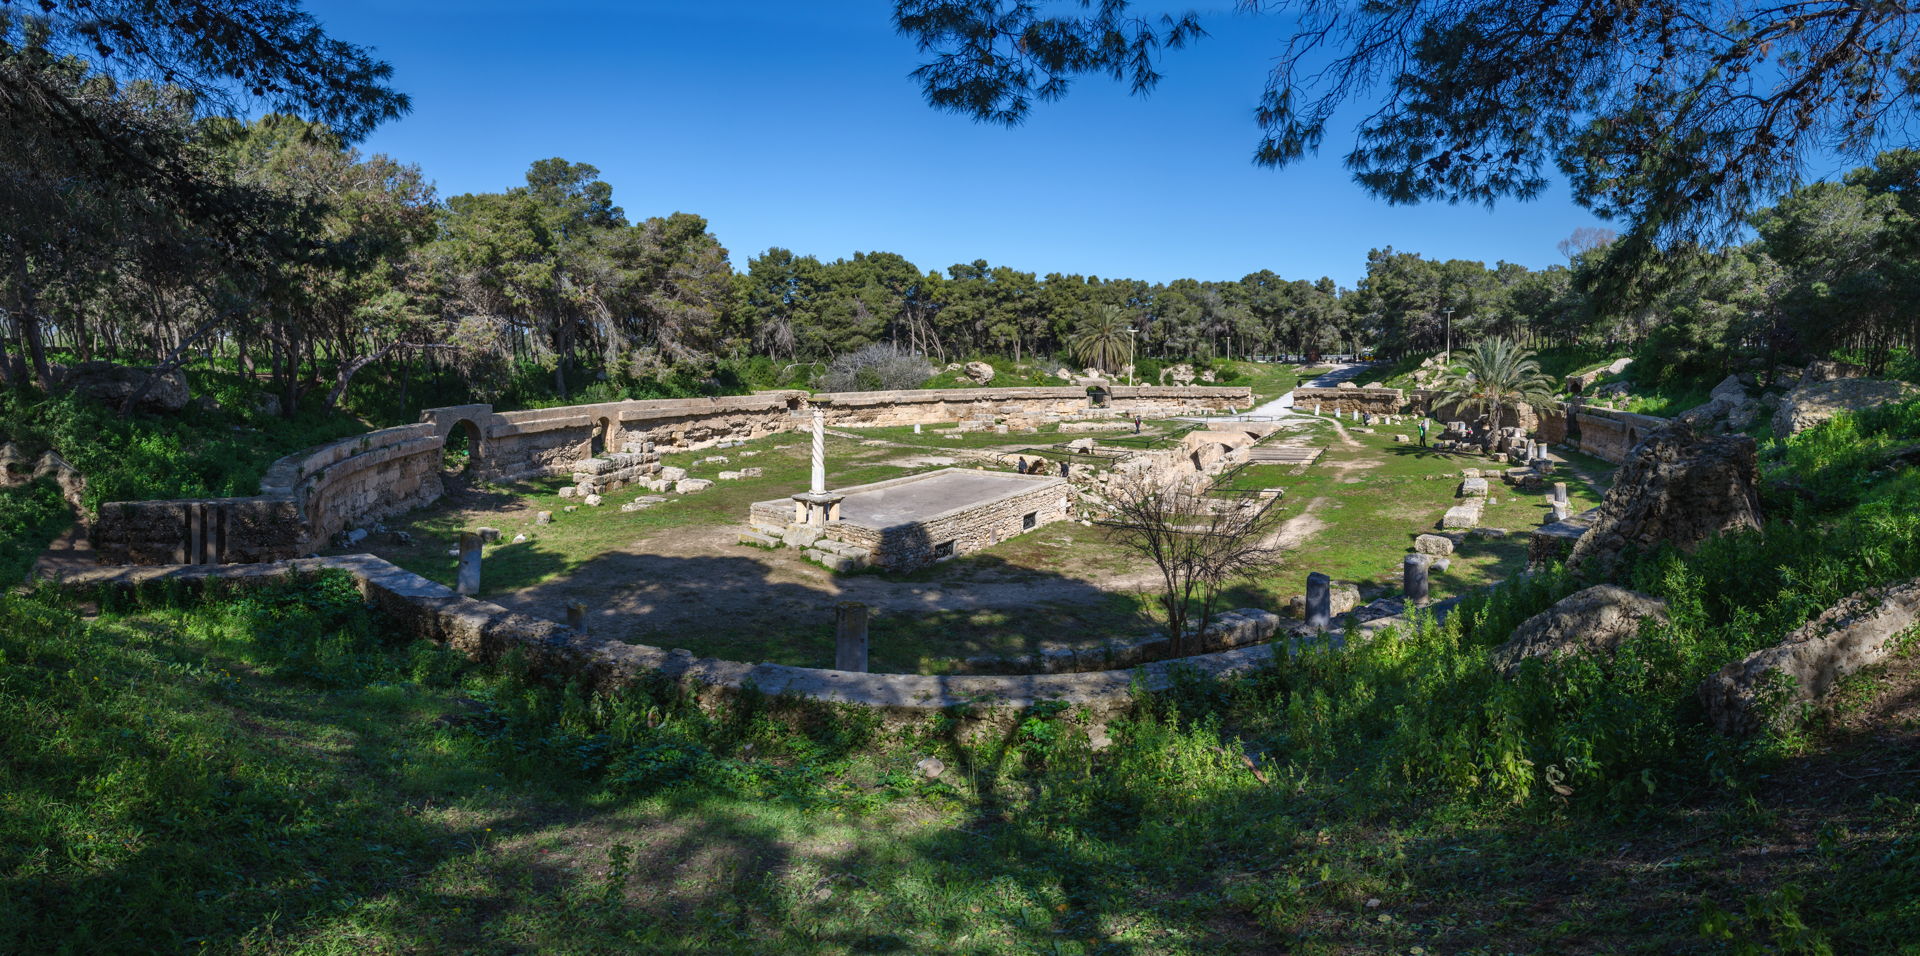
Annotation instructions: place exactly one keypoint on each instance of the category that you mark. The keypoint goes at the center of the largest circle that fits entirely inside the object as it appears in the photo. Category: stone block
(593, 501)
(687, 486)
(1473, 488)
(486, 534)
(759, 540)
(1465, 515)
(543, 517)
(1433, 544)
(670, 473)
(800, 536)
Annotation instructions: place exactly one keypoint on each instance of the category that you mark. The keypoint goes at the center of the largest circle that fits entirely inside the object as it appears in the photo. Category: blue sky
(796, 125)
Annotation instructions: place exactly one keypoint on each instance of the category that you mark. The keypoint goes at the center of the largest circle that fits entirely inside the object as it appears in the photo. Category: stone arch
(463, 446)
(606, 432)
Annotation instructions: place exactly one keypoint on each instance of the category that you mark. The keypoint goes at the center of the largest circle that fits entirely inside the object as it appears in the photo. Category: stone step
(759, 540)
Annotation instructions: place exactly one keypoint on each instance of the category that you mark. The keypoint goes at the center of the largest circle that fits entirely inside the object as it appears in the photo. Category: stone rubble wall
(1350, 401)
(1610, 435)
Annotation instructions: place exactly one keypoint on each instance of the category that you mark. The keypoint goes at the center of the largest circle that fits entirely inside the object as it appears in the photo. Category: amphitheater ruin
(324, 498)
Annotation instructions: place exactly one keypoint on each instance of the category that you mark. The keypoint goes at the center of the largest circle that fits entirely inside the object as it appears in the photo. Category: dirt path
(1295, 531)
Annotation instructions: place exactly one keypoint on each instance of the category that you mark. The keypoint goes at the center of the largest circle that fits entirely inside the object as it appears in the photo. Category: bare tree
(1199, 543)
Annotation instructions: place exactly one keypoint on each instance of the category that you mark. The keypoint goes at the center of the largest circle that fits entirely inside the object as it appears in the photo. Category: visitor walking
(1023, 464)
(1136, 424)
(1423, 433)
(1063, 469)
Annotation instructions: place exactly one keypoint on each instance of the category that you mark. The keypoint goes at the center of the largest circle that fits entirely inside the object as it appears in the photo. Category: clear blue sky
(795, 124)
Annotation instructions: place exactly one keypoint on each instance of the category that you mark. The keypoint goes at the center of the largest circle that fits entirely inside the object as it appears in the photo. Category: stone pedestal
(577, 617)
(816, 508)
(850, 637)
(1319, 601)
(468, 580)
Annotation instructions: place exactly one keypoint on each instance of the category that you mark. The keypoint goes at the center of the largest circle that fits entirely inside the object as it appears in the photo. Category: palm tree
(1101, 340)
(1497, 374)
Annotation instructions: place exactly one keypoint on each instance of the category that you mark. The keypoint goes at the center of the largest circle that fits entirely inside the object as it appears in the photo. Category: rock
(1856, 633)
(1181, 374)
(1809, 405)
(930, 767)
(569, 491)
(519, 539)
(14, 464)
(357, 535)
(714, 460)
(1438, 565)
(593, 501)
(110, 384)
(1433, 544)
(72, 485)
(980, 372)
(1679, 488)
(403, 539)
(1401, 439)
(728, 476)
(488, 534)
(671, 473)
(543, 517)
(1597, 619)
(267, 405)
(687, 486)
(1826, 371)
(752, 472)
(1341, 598)
(570, 509)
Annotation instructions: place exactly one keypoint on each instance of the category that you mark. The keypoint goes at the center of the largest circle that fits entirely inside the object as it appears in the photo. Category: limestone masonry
(309, 497)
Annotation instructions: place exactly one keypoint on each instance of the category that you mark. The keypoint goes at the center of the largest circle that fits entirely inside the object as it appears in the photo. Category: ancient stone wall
(1610, 435)
(308, 497)
(1350, 401)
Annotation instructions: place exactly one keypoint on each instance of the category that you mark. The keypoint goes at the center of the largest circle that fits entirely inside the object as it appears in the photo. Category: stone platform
(909, 522)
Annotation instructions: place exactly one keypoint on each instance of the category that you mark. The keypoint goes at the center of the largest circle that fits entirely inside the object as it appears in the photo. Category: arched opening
(602, 437)
(462, 448)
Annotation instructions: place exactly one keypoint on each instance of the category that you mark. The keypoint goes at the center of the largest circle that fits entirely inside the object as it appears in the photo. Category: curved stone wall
(487, 631)
(308, 497)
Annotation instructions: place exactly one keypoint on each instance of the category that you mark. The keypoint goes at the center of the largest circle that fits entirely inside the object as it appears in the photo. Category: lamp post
(1449, 314)
(1131, 341)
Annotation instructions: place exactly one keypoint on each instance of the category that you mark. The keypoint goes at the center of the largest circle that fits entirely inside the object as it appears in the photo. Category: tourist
(1063, 469)
(1423, 433)
(1023, 464)
(1136, 423)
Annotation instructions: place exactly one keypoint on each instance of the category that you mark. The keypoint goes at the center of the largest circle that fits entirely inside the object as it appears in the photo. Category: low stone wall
(308, 497)
(305, 498)
(1610, 435)
(487, 631)
(1350, 401)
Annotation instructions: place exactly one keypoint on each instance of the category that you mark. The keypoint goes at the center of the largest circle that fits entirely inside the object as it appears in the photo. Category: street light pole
(1131, 353)
(1449, 314)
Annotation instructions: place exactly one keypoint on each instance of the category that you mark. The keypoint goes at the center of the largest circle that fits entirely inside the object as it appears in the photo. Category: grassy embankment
(277, 773)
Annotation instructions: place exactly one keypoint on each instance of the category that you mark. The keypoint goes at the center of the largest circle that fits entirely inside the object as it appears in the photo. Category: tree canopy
(1678, 118)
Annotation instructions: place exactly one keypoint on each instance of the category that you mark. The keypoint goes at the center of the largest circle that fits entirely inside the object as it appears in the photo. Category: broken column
(850, 637)
(1560, 492)
(1413, 574)
(1319, 601)
(577, 617)
(468, 579)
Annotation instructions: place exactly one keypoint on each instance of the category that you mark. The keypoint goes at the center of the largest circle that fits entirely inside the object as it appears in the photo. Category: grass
(275, 772)
(1374, 499)
(279, 771)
